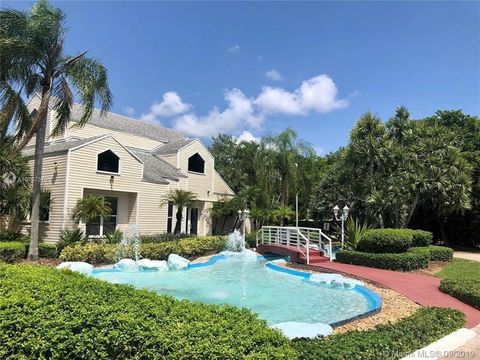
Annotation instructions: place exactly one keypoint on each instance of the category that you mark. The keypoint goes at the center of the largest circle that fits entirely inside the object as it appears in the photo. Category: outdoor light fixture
(112, 179)
(343, 218)
(55, 167)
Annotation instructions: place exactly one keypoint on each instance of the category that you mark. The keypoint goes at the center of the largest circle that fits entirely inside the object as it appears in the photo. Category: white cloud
(170, 105)
(239, 112)
(318, 94)
(128, 110)
(274, 75)
(247, 136)
(233, 49)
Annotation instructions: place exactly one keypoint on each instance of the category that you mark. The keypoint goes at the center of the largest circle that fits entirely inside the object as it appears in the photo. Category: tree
(282, 213)
(34, 46)
(90, 208)
(181, 199)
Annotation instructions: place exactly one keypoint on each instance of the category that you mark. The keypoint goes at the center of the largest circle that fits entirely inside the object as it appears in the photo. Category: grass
(460, 269)
(461, 279)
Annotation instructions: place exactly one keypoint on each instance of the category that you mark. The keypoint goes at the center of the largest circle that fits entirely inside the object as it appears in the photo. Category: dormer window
(109, 162)
(196, 163)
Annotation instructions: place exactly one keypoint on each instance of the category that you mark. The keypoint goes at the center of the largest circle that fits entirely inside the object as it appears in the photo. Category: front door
(193, 221)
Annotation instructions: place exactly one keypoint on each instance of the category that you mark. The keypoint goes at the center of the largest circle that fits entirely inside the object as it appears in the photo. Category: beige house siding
(221, 187)
(172, 159)
(200, 184)
(54, 181)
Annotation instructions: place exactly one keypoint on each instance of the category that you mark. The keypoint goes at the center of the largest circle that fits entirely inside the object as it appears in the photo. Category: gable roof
(156, 169)
(122, 123)
(172, 147)
(61, 145)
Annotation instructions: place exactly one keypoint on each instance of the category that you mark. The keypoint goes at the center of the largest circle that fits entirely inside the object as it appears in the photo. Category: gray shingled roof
(172, 147)
(118, 122)
(60, 145)
(156, 169)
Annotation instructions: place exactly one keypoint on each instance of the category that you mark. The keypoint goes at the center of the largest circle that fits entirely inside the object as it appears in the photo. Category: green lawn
(461, 279)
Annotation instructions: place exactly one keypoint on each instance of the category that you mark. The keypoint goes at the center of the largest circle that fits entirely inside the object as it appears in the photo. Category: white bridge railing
(305, 239)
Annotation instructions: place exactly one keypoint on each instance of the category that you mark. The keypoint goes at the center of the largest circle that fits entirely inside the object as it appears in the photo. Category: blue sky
(255, 68)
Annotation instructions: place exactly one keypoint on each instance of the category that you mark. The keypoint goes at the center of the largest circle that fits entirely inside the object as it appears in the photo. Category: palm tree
(282, 213)
(91, 208)
(181, 199)
(32, 49)
(277, 162)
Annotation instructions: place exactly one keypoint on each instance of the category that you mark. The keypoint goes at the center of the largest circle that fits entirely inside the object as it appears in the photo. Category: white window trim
(108, 172)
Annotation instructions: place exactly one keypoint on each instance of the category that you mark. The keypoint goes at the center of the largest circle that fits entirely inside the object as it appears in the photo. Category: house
(132, 164)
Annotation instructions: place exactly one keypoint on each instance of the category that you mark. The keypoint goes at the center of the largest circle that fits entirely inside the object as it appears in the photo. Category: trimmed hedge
(95, 253)
(436, 253)
(421, 238)
(16, 250)
(407, 261)
(386, 241)
(390, 341)
(52, 314)
(465, 290)
(12, 251)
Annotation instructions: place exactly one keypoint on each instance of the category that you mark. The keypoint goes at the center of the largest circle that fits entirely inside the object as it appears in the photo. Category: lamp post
(342, 217)
(243, 215)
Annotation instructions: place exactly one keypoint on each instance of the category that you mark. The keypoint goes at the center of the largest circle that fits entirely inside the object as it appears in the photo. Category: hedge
(421, 237)
(16, 250)
(95, 253)
(403, 262)
(52, 314)
(436, 253)
(12, 251)
(386, 241)
(465, 290)
(390, 341)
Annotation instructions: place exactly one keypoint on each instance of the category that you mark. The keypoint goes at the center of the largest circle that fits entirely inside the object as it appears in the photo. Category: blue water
(275, 296)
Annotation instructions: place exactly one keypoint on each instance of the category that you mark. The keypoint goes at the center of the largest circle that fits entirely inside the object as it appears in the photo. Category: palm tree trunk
(37, 178)
(412, 210)
(178, 224)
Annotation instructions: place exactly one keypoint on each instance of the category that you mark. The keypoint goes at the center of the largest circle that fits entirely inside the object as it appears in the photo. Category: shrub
(114, 237)
(436, 253)
(95, 253)
(156, 238)
(251, 239)
(52, 314)
(390, 341)
(12, 251)
(46, 250)
(465, 290)
(403, 262)
(7, 236)
(386, 241)
(421, 237)
(70, 236)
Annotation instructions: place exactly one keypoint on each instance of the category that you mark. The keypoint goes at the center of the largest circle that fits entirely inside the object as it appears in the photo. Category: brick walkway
(423, 289)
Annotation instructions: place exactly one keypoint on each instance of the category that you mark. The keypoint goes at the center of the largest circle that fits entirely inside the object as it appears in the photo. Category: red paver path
(422, 289)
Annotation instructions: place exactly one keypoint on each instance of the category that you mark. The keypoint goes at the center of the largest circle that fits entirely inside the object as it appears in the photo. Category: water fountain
(129, 246)
(235, 242)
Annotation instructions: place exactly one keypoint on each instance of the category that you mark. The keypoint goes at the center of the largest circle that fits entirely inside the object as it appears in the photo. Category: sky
(250, 69)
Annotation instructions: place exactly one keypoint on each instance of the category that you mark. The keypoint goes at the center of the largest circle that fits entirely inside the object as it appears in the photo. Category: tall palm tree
(277, 162)
(91, 208)
(181, 199)
(32, 44)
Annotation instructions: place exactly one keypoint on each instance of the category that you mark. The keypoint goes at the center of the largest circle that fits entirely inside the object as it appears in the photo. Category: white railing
(302, 237)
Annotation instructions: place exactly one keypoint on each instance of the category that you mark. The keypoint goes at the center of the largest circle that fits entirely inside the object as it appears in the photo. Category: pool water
(275, 296)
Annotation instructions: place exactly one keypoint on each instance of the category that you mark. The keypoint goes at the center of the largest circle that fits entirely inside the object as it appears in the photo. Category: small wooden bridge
(303, 245)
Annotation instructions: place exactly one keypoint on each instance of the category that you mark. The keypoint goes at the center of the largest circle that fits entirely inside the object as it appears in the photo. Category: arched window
(196, 163)
(108, 161)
